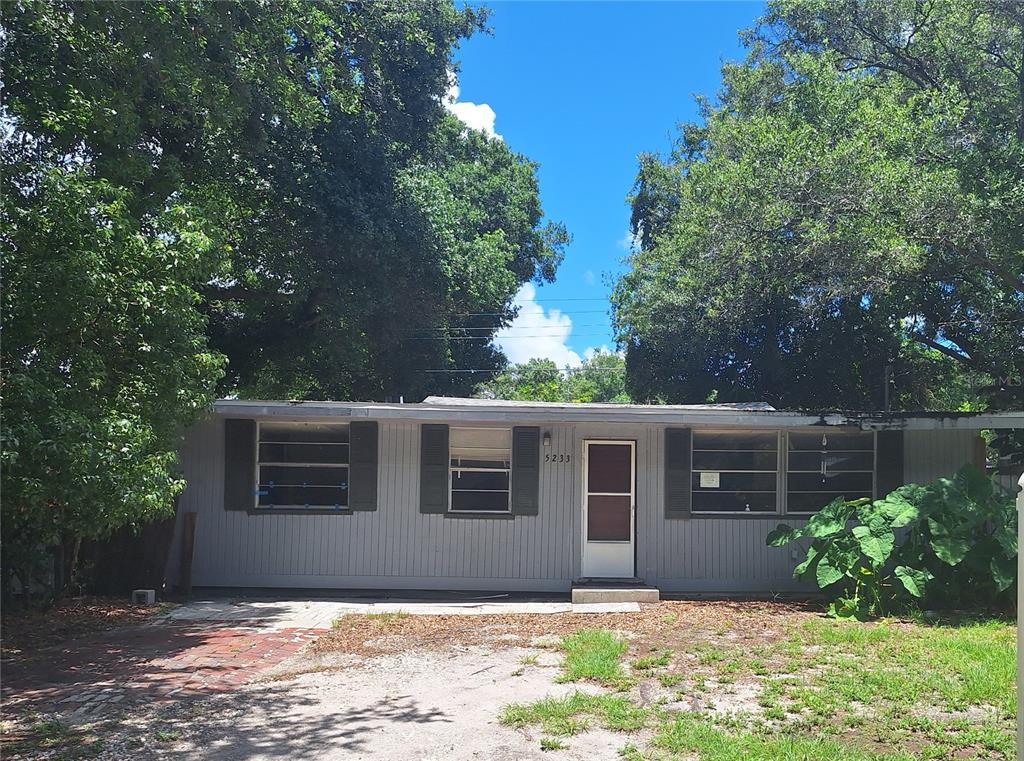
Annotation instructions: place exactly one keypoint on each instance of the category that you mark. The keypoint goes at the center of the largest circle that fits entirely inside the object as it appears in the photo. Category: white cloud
(536, 334)
(589, 277)
(628, 242)
(478, 116)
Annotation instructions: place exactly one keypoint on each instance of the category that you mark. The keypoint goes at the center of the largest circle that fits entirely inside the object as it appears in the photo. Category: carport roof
(442, 409)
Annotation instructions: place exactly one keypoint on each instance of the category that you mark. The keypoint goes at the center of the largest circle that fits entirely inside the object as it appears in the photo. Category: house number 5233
(548, 457)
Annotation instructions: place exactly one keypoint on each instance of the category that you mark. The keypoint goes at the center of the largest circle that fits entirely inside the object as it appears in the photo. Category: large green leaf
(813, 553)
(827, 574)
(1004, 572)
(830, 520)
(950, 549)
(782, 534)
(897, 509)
(974, 483)
(876, 542)
(914, 581)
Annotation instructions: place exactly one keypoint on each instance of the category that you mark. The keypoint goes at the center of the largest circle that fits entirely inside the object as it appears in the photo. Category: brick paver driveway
(160, 662)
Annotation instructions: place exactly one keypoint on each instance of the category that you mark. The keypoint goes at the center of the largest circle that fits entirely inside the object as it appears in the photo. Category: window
(826, 465)
(735, 472)
(302, 465)
(481, 464)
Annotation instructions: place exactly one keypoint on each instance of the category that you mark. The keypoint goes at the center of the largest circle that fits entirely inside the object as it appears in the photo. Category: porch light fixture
(547, 438)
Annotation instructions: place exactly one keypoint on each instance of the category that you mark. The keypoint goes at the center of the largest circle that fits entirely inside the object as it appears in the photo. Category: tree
(849, 212)
(277, 185)
(601, 378)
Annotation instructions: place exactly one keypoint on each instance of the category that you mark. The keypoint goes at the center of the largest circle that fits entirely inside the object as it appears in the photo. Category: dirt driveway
(672, 680)
(242, 684)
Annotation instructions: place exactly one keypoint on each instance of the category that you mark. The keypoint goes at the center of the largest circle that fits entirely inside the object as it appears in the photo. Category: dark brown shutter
(362, 466)
(888, 462)
(525, 470)
(677, 472)
(433, 468)
(239, 464)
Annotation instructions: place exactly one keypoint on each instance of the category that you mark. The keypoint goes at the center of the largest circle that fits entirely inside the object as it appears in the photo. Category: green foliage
(848, 204)
(278, 185)
(601, 378)
(959, 547)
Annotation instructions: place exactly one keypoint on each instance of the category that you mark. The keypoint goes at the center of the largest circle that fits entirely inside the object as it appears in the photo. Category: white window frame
(740, 431)
(259, 463)
(452, 469)
(781, 472)
(840, 432)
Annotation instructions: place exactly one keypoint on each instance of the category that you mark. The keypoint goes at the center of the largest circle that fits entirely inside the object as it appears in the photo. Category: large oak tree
(206, 198)
(846, 222)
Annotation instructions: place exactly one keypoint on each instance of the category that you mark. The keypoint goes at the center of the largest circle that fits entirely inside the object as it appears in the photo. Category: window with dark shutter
(239, 464)
(824, 465)
(889, 462)
(433, 468)
(362, 466)
(481, 468)
(677, 472)
(303, 466)
(525, 470)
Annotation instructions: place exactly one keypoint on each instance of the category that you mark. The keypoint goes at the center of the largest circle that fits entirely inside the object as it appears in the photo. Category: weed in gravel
(166, 735)
(652, 661)
(670, 680)
(552, 743)
(569, 715)
(529, 660)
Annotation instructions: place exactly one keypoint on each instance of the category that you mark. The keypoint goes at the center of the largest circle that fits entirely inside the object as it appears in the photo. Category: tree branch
(943, 348)
(1015, 282)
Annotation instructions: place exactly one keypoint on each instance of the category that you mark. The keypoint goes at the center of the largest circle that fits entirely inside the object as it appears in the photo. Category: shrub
(957, 544)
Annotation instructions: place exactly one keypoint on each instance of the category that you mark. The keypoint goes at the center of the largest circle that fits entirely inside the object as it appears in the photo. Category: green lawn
(824, 690)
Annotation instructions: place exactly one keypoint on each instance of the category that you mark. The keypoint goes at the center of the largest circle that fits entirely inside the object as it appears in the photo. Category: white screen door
(608, 509)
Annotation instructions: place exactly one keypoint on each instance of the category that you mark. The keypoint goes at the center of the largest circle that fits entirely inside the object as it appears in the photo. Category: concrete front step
(595, 593)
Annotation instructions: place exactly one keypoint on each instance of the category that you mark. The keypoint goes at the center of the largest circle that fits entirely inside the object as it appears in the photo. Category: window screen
(481, 462)
(302, 465)
(826, 465)
(735, 472)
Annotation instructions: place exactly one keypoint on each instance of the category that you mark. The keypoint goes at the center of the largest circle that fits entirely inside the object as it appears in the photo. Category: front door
(608, 509)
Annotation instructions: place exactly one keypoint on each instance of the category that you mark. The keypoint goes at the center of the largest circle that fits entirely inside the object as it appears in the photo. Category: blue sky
(582, 88)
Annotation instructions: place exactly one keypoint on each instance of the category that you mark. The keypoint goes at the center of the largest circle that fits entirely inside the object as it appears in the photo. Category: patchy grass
(529, 660)
(695, 734)
(571, 715)
(651, 662)
(552, 743)
(594, 654)
(887, 689)
(166, 735)
(670, 679)
(51, 738)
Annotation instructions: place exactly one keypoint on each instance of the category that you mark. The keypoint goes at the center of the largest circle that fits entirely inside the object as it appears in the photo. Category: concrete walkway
(320, 613)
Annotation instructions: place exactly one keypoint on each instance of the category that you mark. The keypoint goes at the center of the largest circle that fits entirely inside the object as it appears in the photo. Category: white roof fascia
(711, 416)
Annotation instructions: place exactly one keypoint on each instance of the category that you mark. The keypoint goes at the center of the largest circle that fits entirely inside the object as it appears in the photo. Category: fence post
(1020, 617)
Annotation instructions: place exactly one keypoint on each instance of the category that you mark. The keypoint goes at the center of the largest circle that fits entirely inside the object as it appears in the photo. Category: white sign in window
(709, 480)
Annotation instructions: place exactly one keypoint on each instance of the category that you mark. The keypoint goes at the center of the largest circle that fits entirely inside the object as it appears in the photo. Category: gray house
(473, 494)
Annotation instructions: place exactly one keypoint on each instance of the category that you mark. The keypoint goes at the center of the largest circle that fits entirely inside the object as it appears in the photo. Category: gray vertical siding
(397, 547)
(394, 547)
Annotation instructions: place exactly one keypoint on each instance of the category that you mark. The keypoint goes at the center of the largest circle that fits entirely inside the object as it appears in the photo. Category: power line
(505, 314)
(498, 370)
(457, 329)
(502, 338)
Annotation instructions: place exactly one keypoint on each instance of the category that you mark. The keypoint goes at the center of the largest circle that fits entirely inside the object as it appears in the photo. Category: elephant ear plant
(950, 542)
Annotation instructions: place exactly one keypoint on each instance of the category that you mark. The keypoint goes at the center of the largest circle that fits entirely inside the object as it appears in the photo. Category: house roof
(742, 415)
